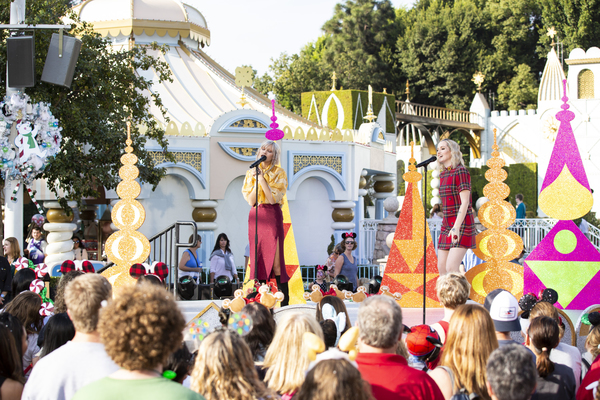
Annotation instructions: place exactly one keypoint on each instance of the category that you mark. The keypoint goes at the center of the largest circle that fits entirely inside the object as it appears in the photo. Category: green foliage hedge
(349, 100)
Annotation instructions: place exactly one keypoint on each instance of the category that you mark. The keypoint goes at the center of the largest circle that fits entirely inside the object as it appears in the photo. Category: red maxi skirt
(270, 234)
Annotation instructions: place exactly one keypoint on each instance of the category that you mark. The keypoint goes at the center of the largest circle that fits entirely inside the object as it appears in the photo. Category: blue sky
(251, 32)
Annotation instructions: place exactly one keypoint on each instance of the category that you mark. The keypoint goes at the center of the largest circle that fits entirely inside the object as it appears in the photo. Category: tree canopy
(437, 45)
(105, 93)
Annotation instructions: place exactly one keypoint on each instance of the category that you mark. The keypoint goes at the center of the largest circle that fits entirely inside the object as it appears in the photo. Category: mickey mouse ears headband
(158, 269)
(349, 235)
(77, 265)
(240, 323)
(527, 302)
(592, 318)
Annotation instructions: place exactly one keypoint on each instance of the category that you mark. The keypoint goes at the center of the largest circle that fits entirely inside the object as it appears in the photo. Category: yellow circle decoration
(126, 246)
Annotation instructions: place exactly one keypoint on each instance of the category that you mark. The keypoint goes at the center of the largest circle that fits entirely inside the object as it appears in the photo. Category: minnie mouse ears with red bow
(158, 269)
(349, 234)
(77, 265)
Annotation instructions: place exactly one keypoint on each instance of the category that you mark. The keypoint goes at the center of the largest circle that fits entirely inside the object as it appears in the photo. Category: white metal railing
(531, 230)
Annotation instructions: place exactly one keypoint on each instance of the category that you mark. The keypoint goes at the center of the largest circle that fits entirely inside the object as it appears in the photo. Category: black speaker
(59, 70)
(21, 61)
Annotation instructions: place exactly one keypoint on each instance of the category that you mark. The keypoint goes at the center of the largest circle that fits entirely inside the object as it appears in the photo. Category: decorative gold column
(205, 214)
(127, 246)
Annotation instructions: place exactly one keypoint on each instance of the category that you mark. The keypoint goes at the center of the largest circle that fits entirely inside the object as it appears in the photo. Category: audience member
(11, 376)
(26, 307)
(330, 335)
(592, 344)
(263, 330)
(452, 290)
(504, 310)
(286, 362)
(335, 379)
(380, 327)
(59, 330)
(224, 369)
(554, 381)
(22, 280)
(140, 328)
(18, 331)
(12, 251)
(180, 363)
(59, 298)
(6, 277)
(82, 360)
(471, 340)
(563, 353)
(511, 373)
(339, 307)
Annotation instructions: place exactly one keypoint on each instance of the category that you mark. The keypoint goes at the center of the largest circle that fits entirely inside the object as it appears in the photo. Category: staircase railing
(165, 245)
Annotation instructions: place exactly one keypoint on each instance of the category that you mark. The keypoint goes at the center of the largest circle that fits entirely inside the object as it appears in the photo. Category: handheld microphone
(257, 162)
(426, 162)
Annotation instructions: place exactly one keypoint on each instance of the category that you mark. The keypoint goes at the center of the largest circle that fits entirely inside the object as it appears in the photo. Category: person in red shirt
(380, 326)
(592, 344)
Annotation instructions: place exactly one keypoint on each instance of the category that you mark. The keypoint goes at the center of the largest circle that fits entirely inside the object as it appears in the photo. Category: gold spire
(333, 78)
(412, 175)
(407, 91)
(126, 246)
(370, 116)
(552, 32)
(478, 78)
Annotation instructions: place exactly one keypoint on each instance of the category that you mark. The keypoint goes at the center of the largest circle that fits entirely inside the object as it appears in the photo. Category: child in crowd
(322, 278)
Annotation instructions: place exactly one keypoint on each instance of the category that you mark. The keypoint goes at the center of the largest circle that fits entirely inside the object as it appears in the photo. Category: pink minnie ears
(159, 269)
(349, 234)
(77, 265)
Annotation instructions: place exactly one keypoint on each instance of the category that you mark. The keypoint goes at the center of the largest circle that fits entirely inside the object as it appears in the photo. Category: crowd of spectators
(129, 344)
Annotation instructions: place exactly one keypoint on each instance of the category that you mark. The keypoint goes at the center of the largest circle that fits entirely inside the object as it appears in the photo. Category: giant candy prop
(404, 268)
(496, 245)
(565, 260)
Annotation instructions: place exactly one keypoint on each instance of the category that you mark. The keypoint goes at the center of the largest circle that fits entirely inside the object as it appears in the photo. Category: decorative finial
(370, 116)
(407, 91)
(333, 78)
(412, 175)
(243, 78)
(478, 78)
(552, 32)
(385, 91)
(274, 133)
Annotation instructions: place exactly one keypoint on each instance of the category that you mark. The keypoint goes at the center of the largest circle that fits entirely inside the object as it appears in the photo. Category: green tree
(576, 21)
(105, 93)
(522, 91)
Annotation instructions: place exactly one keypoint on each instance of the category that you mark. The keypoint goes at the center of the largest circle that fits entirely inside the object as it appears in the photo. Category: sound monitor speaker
(59, 70)
(21, 61)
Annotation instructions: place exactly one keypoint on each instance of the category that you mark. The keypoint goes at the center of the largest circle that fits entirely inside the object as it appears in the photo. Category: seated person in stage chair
(190, 263)
(380, 326)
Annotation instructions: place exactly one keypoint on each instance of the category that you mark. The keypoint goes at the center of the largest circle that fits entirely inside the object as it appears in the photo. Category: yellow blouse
(275, 177)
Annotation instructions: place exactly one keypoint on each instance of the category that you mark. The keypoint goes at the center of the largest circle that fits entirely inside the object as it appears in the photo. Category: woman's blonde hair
(276, 150)
(545, 309)
(15, 249)
(592, 341)
(286, 359)
(224, 369)
(453, 290)
(471, 340)
(455, 151)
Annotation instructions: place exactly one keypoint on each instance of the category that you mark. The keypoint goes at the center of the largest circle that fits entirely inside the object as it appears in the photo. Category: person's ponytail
(544, 335)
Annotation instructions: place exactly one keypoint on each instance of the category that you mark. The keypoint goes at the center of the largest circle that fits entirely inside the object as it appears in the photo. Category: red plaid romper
(452, 182)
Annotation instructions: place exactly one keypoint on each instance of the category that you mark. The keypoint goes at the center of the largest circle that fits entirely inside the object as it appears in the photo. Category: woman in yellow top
(272, 184)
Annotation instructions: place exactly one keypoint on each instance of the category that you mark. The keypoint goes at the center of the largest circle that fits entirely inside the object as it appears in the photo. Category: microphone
(426, 162)
(261, 159)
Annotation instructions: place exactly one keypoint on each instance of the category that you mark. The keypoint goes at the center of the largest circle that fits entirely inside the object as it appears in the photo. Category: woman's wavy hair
(218, 245)
(263, 328)
(455, 151)
(332, 380)
(543, 333)
(470, 324)
(287, 359)
(224, 369)
(26, 307)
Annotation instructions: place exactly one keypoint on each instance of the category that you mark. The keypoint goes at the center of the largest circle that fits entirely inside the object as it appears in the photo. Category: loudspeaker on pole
(21, 62)
(59, 70)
